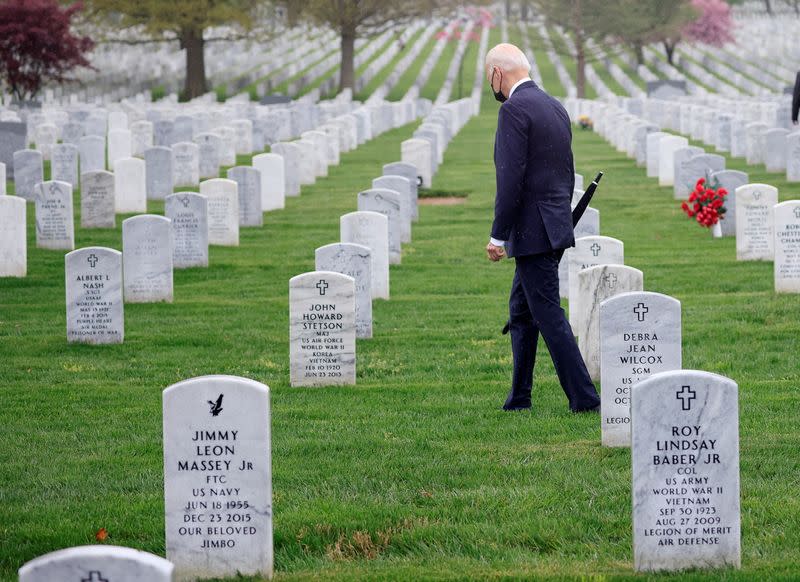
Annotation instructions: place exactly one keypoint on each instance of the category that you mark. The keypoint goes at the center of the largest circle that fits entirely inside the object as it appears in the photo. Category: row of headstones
(332, 306)
(631, 340)
(762, 227)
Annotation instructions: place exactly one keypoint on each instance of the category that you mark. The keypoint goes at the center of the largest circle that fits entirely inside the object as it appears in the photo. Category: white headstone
(402, 186)
(119, 146)
(94, 296)
(141, 137)
(218, 478)
(55, 228)
(189, 215)
(291, 166)
(793, 157)
(419, 152)
(223, 211)
(786, 217)
(408, 171)
(666, 166)
(273, 181)
(97, 563)
(98, 202)
(685, 457)
(64, 163)
(356, 262)
(159, 172)
(322, 329)
(386, 202)
(92, 153)
(147, 259)
(13, 239)
(640, 335)
(589, 251)
(730, 180)
(130, 186)
(595, 285)
(248, 187)
(754, 229)
(588, 225)
(370, 229)
(186, 164)
(28, 172)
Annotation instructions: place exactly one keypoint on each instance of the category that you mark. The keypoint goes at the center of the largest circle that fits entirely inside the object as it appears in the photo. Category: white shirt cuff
(497, 243)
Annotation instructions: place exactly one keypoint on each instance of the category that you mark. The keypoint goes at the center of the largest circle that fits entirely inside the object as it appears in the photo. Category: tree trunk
(669, 47)
(347, 72)
(194, 44)
(638, 50)
(768, 6)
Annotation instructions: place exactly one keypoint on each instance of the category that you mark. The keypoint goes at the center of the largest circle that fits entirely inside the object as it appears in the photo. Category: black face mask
(498, 94)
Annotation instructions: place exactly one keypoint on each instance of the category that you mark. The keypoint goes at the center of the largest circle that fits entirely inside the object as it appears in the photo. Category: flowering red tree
(37, 45)
(713, 25)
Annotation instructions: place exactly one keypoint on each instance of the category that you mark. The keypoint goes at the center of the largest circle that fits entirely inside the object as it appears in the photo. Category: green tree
(643, 22)
(186, 21)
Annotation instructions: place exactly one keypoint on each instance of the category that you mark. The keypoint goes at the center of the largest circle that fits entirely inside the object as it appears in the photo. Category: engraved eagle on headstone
(216, 407)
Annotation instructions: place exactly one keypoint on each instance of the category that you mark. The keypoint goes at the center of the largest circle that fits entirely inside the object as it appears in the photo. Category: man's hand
(495, 253)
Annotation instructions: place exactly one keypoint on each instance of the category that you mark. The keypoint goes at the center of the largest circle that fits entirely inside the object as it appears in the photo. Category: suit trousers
(534, 308)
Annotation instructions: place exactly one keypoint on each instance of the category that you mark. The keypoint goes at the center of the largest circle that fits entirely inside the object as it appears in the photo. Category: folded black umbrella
(577, 214)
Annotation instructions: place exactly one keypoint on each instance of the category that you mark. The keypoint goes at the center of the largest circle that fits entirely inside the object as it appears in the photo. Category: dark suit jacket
(796, 98)
(535, 174)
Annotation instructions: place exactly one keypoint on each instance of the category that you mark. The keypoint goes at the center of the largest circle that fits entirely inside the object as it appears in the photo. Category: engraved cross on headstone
(185, 201)
(640, 311)
(92, 259)
(94, 576)
(797, 212)
(611, 280)
(757, 194)
(595, 248)
(686, 395)
(322, 286)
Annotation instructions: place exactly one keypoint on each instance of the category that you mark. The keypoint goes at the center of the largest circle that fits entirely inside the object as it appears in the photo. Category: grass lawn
(415, 472)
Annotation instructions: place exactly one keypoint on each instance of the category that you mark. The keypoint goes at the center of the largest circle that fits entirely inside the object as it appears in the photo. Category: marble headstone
(223, 211)
(55, 228)
(159, 172)
(640, 335)
(218, 478)
(754, 229)
(13, 239)
(94, 296)
(28, 172)
(370, 229)
(13, 135)
(355, 261)
(291, 166)
(786, 220)
(666, 150)
(685, 467)
(683, 173)
(386, 202)
(189, 215)
(98, 201)
(97, 563)
(130, 186)
(589, 251)
(595, 285)
(273, 180)
(419, 153)
(248, 186)
(92, 150)
(210, 146)
(408, 171)
(64, 163)
(793, 157)
(119, 146)
(185, 164)
(147, 259)
(322, 329)
(730, 180)
(588, 225)
(402, 186)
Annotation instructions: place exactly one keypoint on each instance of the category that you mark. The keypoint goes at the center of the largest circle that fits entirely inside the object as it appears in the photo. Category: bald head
(505, 66)
(509, 59)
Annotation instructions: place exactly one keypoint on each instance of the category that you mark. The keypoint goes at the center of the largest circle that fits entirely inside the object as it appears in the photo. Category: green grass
(387, 70)
(414, 473)
(547, 70)
(410, 75)
(431, 89)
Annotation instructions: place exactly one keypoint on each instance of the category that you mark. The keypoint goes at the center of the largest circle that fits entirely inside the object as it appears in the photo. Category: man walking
(533, 224)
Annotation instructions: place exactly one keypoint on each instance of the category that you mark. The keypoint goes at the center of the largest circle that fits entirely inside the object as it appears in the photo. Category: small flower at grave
(101, 535)
(585, 122)
(706, 204)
